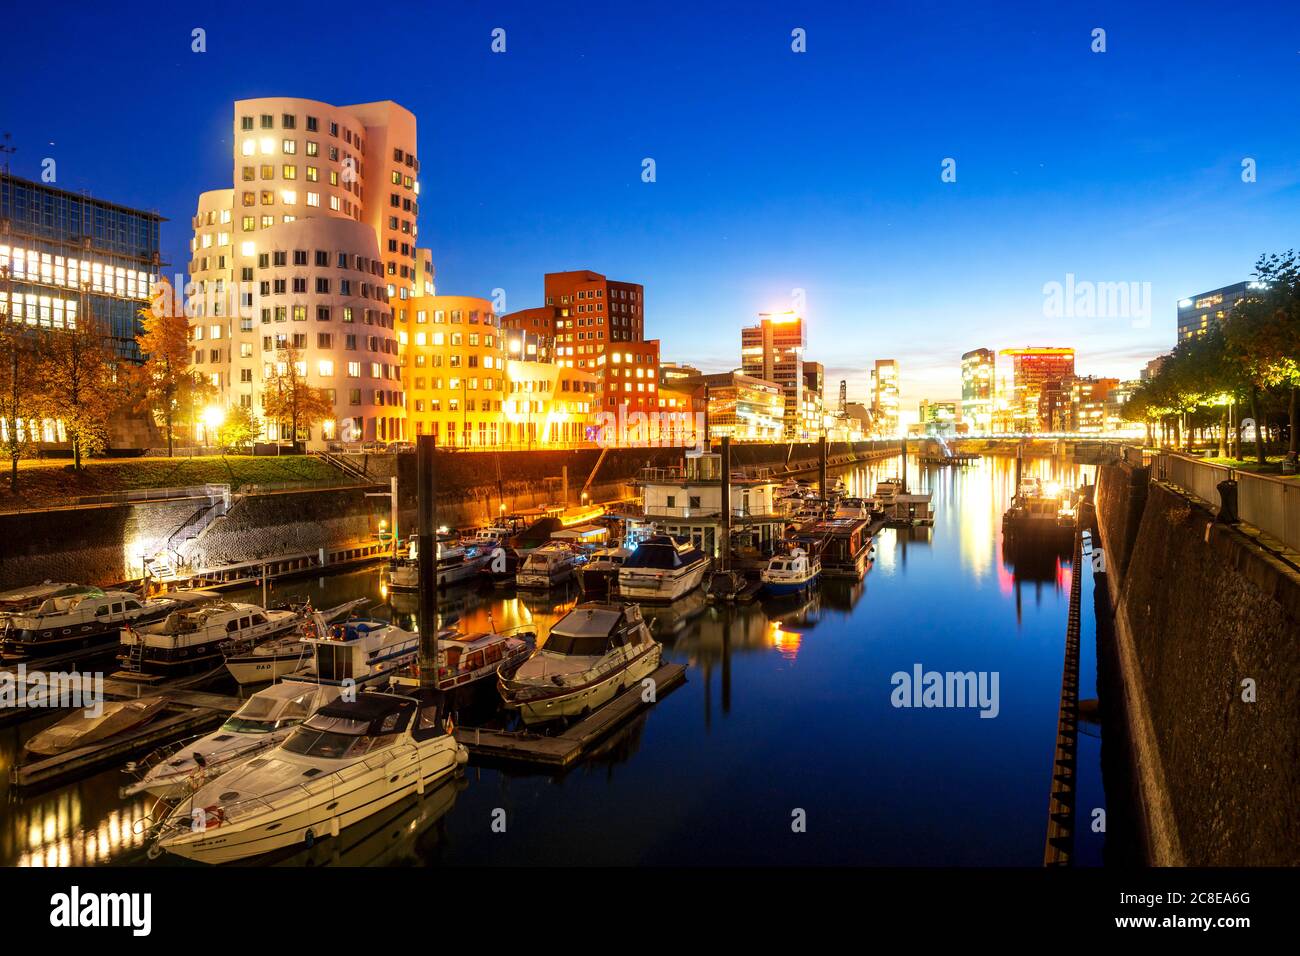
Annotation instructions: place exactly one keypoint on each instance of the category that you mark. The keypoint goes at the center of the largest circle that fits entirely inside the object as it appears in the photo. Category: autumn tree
(20, 404)
(164, 342)
(241, 428)
(80, 386)
(288, 398)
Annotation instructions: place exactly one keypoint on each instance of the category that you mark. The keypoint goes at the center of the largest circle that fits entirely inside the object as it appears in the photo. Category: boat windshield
(575, 644)
(261, 715)
(333, 737)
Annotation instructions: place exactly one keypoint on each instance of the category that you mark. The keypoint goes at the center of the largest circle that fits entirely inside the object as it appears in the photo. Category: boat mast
(427, 565)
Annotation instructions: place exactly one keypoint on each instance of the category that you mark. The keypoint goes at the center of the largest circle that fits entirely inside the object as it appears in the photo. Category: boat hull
(251, 669)
(790, 586)
(583, 700)
(661, 589)
(309, 818)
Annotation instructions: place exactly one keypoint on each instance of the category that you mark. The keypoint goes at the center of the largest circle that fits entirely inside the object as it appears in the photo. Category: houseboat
(192, 638)
(898, 506)
(591, 655)
(1040, 514)
(662, 569)
(843, 545)
(467, 662)
(88, 619)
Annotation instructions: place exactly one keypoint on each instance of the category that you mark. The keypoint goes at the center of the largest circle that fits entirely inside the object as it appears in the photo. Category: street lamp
(213, 418)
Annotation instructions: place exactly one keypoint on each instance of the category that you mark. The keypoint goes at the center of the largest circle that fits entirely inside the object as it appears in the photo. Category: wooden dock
(563, 749)
(178, 721)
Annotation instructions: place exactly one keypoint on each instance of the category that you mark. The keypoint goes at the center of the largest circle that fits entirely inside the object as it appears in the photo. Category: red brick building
(593, 312)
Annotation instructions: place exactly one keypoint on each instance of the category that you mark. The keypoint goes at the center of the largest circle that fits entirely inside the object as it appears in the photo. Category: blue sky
(775, 170)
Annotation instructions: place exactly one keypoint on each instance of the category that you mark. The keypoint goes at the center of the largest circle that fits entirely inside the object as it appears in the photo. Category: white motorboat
(194, 637)
(355, 653)
(349, 760)
(456, 564)
(80, 619)
(854, 508)
(662, 569)
(264, 720)
(599, 574)
(547, 567)
(270, 660)
(591, 655)
(791, 573)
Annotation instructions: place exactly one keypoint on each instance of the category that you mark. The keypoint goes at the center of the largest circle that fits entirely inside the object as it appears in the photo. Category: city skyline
(1115, 188)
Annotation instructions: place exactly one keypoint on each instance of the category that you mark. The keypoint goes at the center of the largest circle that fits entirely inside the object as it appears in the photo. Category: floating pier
(565, 748)
(188, 712)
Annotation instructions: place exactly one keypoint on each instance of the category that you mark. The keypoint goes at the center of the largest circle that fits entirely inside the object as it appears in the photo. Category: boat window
(117, 607)
(310, 742)
(238, 724)
(232, 625)
(575, 645)
(244, 621)
(474, 661)
(102, 609)
(427, 724)
(132, 605)
(259, 619)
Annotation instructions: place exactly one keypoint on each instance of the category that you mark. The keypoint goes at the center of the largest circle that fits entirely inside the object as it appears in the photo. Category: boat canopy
(372, 714)
(661, 553)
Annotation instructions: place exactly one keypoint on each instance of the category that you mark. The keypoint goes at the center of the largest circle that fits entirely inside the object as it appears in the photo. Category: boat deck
(563, 749)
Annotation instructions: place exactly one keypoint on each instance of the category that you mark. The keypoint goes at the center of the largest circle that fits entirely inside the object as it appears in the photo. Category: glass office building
(67, 252)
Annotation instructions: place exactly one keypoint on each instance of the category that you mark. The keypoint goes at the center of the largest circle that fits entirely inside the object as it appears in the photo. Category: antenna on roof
(8, 150)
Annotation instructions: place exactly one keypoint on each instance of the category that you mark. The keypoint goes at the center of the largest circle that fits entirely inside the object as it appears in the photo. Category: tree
(1263, 338)
(164, 343)
(241, 428)
(20, 382)
(81, 387)
(287, 397)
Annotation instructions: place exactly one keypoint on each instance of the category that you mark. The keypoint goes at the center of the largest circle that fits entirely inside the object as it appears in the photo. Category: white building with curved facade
(311, 254)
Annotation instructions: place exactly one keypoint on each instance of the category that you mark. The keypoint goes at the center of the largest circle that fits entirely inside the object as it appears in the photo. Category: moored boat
(192, 638)
(80, 728)
(81, 619)
(263, 721)
(591, 655)
(547, 567)
(791, 573)
(456, 564)
(348, 761)
(662, 569)
(598, 575)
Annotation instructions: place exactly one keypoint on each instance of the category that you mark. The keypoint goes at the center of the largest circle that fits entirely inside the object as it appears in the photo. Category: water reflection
(786, 704)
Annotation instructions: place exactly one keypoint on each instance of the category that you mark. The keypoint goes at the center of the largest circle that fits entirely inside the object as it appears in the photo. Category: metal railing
(1270, 503)
(156, 494)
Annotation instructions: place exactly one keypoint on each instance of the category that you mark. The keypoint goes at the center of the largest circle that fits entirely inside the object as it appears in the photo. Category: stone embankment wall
(1202, 613)
(104, 544)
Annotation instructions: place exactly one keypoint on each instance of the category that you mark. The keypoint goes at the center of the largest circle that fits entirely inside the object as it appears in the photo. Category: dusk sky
(775, 170)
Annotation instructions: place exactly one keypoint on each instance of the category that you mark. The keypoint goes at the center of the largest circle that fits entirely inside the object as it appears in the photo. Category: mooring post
(724, 546)
(426, 530)
(821, 468)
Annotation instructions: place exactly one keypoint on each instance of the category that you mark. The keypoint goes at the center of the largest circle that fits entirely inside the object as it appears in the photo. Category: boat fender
(309, 838)
(462, 756)
(334, 826)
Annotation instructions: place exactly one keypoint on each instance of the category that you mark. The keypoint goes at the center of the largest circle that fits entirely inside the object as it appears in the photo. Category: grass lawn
(1272, 464)
(52, 481)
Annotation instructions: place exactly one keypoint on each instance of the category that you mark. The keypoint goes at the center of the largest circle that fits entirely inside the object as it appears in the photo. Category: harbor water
(785, 745)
